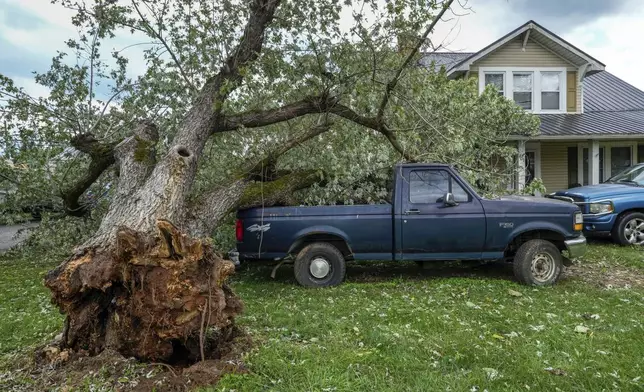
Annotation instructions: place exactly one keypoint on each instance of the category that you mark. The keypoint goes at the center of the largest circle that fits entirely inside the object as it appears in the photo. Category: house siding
(554, 166)
(512, 55)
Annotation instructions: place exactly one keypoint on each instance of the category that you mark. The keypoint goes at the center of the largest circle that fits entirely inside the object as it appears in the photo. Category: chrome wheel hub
(634, 231)
(320, 267)
(543, 267)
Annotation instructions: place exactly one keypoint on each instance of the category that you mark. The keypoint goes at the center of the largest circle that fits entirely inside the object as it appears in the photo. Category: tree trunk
(142, 285)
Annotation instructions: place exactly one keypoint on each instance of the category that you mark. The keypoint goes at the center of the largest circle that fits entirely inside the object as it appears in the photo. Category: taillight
(239, 230)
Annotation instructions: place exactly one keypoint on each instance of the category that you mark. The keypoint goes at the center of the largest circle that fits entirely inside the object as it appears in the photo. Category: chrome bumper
(576, 248)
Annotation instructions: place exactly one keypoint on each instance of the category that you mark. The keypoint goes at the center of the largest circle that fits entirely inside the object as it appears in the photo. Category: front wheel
(538, 263)
(319, 264)
(629, 229)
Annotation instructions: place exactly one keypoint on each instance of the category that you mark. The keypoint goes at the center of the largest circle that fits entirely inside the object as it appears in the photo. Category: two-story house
(592, 122)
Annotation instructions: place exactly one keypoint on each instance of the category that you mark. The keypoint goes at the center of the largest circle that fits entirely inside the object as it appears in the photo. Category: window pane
(523, 82)
(430, 186)
(620, 159)
(459, 193)
(522, 86)
(550, 100)
(524, 100)
(495, 79)
(427, 186)
(550, 81)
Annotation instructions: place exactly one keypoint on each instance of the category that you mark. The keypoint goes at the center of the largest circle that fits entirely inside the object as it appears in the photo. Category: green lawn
(396, 328)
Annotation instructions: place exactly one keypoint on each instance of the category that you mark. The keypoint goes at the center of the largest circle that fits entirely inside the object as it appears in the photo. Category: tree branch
(310, 105)
(102, 157)
(279, 191)
(393, 82)
(265, 169)
(157, 35)
(206, 111)
(212, 207)
(261, 118)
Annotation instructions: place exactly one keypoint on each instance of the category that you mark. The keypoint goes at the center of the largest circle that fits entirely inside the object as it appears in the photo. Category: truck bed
(268, 232)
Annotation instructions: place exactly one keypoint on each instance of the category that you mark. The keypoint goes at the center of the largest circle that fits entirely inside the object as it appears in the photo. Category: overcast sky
(612, 31)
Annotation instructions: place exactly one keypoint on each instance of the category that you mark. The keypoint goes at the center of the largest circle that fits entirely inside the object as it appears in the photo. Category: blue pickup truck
(435, 215)
(614, 207)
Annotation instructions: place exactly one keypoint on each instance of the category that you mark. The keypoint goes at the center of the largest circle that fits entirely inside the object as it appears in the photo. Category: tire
(324, 255)
(545, 257)
(620, 230)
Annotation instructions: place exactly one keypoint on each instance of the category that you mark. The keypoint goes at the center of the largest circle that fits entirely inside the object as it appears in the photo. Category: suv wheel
(319, 264)
(538, 263)
(629, 229)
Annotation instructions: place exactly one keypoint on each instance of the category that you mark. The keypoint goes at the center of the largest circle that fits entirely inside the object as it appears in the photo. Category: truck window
(429, 186)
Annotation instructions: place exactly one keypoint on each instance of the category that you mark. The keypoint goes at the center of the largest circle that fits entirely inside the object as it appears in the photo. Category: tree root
(146, 296)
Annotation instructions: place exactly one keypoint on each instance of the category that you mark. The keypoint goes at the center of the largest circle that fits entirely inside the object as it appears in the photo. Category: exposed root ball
(151, 297)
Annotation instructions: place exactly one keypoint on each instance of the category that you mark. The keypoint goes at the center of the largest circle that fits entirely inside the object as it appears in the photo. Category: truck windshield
(633, 175)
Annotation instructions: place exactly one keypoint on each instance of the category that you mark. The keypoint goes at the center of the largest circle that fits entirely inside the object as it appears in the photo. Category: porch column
(593, 163)
(520, 165)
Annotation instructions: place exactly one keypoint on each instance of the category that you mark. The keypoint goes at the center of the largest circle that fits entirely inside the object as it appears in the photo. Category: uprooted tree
(242, 103)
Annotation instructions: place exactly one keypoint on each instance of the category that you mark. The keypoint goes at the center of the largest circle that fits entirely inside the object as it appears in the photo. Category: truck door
(432, 229)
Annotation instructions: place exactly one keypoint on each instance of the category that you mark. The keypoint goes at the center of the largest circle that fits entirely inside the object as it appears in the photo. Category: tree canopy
(322, 62)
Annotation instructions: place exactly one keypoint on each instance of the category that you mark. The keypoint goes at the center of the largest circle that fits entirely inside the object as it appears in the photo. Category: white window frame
(607, 157)
(541, 91)
(503, 74)
(508, 86)
(532, 91)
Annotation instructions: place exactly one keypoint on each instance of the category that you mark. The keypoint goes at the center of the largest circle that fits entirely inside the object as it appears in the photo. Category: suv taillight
(239, 230)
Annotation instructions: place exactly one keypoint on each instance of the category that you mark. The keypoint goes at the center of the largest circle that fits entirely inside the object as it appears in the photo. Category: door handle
(413, 211)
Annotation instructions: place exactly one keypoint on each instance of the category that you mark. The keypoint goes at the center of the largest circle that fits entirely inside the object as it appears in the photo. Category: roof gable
(543, 37)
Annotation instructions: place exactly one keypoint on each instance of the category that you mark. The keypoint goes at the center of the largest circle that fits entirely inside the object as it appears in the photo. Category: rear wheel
(319, 264)
(538, 263)
(629, 229)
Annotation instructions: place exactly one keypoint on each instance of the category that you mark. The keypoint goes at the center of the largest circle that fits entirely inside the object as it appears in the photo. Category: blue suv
(614, 207)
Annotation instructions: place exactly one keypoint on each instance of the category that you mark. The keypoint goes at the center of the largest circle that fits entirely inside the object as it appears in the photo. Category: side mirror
(449, 200)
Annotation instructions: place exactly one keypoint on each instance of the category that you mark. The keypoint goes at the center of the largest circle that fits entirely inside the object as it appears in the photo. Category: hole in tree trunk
(184, 152)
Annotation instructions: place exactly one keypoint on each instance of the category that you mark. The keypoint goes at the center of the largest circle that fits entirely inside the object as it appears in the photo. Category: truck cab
(434, 215)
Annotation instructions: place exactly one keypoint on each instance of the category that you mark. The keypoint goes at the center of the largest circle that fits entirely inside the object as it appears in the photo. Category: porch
(566, 163)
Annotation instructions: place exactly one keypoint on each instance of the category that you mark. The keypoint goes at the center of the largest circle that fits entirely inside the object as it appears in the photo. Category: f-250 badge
(506, 225)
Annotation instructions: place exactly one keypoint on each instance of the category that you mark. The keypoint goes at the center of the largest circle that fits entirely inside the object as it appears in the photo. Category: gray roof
(448, 59)
(593, 123)
(605, 92)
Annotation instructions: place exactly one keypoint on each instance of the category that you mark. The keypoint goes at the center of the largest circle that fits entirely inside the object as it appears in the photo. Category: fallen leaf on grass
(514, 293)
(581, 329)
(556, 371)
(491, 373)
